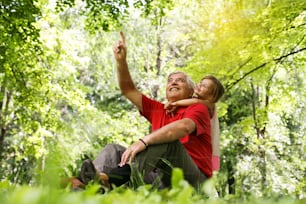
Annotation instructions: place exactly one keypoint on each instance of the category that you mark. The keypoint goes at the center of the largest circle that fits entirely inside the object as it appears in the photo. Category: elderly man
(183, 138)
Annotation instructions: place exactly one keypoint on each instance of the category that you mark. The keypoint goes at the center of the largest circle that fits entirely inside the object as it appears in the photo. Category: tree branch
(277, 60)
(245, 75)
(290, 53)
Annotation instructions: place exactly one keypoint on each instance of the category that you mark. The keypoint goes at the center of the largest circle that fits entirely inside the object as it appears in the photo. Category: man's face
(177, 88)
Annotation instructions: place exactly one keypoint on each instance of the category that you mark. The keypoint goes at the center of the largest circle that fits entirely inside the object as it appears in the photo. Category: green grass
(181, 193)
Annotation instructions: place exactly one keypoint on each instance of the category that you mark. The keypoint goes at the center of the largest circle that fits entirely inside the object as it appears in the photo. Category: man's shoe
(88, 172)
(74, 182)
(104, 180)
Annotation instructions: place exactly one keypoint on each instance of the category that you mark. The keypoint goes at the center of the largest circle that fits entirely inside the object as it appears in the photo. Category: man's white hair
(189, 81)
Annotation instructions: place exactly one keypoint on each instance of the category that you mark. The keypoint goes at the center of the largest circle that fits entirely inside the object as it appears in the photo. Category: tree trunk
(4, 106)
(158, 57)
(261, 130)
(230, 178)
(2, 132)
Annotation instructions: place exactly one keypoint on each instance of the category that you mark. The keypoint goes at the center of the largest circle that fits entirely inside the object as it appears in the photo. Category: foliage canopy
(60, 102)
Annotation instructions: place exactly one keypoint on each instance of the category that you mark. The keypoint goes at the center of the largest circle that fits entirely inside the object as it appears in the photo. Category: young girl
(208, 92)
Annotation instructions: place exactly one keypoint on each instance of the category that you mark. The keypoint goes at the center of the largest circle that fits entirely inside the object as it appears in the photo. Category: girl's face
(204, 89)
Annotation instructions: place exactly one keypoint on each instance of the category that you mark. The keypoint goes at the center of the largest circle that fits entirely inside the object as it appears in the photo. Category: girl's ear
(191, 93)
(210, 98)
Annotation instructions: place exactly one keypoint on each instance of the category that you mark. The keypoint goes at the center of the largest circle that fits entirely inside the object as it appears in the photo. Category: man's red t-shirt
(198, 144)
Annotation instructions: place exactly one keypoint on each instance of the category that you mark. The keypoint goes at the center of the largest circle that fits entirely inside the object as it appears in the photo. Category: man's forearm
(124, 78)
(171, 132)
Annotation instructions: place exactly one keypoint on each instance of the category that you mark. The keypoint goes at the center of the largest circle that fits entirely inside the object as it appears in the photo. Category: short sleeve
(199, 114)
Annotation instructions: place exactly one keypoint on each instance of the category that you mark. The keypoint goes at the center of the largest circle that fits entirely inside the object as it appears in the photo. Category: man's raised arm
(125, 81)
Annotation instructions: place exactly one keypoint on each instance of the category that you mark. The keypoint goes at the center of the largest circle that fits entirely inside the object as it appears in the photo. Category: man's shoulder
(197, 105)
(147, 100)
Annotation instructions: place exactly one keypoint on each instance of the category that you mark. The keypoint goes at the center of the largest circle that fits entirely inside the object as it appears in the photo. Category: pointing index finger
(122, 37)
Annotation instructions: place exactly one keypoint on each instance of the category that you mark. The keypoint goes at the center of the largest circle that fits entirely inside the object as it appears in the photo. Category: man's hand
(119, 49)
(131, 152)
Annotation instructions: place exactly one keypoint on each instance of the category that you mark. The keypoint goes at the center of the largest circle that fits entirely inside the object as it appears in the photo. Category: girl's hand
(170, 107)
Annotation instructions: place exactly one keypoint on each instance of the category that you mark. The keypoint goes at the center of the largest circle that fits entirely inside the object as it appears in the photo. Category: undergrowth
(180, 193)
